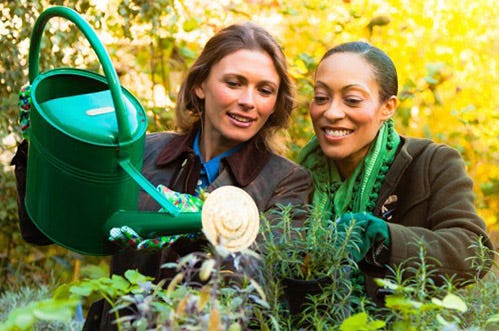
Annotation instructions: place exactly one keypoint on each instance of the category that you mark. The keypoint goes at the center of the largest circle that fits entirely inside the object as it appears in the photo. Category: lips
(240, 118)
(337, 133)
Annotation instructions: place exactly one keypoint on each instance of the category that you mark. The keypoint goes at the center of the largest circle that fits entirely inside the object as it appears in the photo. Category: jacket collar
(244, 164)
(178, 146)
(409, 149)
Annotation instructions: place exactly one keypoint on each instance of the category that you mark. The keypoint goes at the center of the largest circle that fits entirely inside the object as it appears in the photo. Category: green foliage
(448, 91)
(49, 310)
(32, 309)
(314, 251)
(416, 303)
(311, 251)
(199, 297)
(361, 322)
(8, 212)
(202, 296)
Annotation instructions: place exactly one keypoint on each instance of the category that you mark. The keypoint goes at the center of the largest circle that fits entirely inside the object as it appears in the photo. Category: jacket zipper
(182, 166)
(186, 182)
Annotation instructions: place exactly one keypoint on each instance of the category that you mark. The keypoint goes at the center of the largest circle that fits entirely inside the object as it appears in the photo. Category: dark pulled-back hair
(383, 67)
(227, 41)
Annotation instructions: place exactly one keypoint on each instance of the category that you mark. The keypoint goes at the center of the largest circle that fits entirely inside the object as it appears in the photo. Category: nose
(335, 111)
(246, 98)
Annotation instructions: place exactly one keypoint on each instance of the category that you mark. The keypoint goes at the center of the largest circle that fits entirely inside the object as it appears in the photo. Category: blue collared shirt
(210, 169)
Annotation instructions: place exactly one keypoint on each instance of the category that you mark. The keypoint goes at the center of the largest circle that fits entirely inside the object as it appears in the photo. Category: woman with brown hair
(235, 97)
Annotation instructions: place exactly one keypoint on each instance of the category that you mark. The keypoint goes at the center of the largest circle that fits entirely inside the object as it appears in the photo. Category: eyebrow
(344, 88)
(322, 85)
(349, 86)
(243, 78)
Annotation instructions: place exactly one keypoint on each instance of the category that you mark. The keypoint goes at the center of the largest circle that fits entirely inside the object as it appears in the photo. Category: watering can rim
(141, 129)
(124, 131)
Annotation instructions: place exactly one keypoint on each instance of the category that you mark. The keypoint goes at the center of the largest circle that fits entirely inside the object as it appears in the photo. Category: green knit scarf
(360, 191)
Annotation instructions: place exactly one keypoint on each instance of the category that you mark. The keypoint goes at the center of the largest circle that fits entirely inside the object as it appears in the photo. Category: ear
(199, 91)
(389, 107)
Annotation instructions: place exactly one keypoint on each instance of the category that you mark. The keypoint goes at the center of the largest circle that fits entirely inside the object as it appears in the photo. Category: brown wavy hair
(189, 107)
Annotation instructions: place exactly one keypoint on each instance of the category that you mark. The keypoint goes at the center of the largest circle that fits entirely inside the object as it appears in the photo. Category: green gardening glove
(367, 231)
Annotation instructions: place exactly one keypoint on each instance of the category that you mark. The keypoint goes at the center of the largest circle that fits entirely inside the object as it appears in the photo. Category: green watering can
(86, 148)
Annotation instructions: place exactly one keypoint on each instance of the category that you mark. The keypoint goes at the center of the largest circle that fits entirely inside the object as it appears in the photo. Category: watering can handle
(124, 130)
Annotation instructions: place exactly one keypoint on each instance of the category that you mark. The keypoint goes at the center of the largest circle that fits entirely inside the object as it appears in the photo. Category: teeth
(240, 119)
(337, 133)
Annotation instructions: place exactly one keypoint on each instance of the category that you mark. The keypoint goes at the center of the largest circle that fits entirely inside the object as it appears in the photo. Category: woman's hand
(365, 230)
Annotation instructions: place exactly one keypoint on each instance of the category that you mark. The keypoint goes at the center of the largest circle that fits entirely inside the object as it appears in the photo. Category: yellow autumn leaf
(204, 296)
(206, 269)
(182, 304)
(175, 281)
(214, 324)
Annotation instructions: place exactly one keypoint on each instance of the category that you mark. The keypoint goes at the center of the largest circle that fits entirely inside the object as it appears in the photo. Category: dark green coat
(434, 201)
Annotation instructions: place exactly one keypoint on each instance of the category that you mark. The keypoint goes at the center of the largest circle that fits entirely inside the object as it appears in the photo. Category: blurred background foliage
(446, 53)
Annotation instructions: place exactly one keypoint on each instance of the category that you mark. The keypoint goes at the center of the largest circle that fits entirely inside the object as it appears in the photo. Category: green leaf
(290, 11)
(403, 326)
(451, 301)
(235, 327)
(136, 277)
(377, 324)
(187, 52)
(401, 303)
(55, 310)
(94, 271)
(190, 24)
(355, 322)
(63, 291)
(260, 302)
(120, 283)
(82, 289)
(22, 319)
(431, 80)
(429, 307)
(493, 319)
(387, 283)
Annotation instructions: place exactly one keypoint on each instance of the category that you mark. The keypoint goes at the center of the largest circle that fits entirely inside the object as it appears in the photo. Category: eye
(352, 101)
(232, 83)
(266, 90)
(321, 99)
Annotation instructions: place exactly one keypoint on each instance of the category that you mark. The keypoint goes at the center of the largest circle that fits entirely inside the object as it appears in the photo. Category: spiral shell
(230, 218)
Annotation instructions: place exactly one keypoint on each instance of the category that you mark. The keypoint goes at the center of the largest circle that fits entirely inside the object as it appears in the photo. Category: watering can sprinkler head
(229, 218)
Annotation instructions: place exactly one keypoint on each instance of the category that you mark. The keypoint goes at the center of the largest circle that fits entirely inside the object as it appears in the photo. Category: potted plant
(306, 264)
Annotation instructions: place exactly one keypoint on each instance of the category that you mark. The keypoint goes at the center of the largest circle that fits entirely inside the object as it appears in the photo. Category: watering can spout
(154, 224)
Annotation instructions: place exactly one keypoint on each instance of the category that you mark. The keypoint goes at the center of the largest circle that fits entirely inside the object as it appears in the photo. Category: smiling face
(239, 96)
(346, 110)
